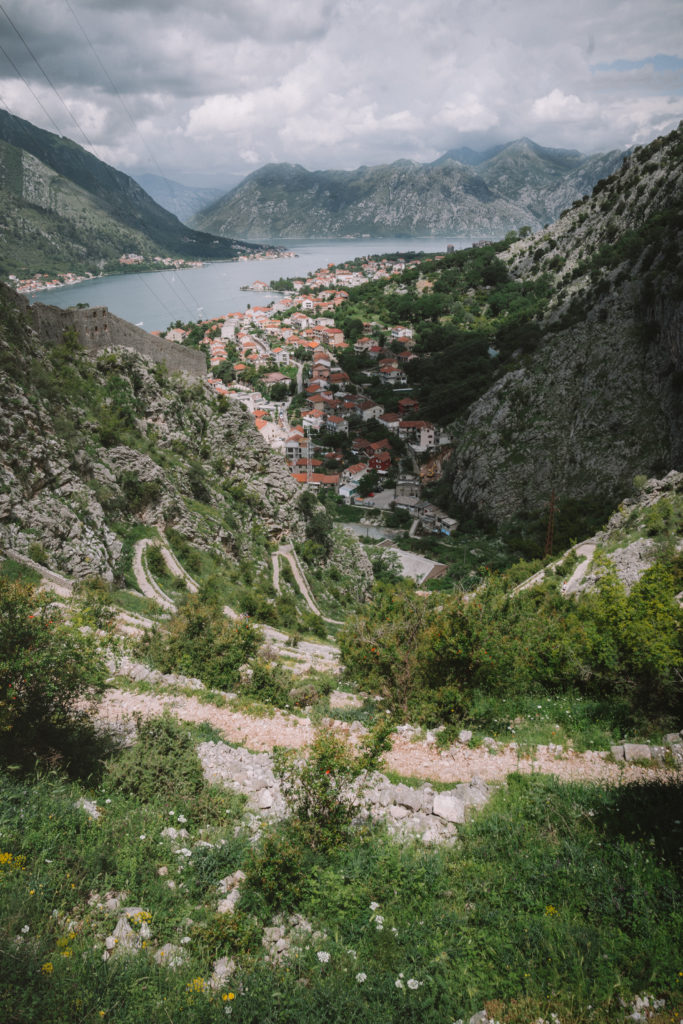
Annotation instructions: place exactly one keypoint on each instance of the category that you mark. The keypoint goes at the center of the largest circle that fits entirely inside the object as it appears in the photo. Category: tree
(49, 673)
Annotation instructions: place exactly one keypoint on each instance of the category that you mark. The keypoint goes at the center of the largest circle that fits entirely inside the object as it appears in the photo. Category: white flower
(361, 977)
(374, 906)
(322, 956)
(172, 813)
(413, 983)
(379, 919)
(143, 836)
(107, 801)
(185, 939)
(395, 931)
(26, 929)
(182, 819)
(352, 953)
(398, 983)
(379, 927)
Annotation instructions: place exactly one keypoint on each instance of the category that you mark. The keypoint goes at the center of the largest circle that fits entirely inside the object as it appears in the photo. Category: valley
(253, 767)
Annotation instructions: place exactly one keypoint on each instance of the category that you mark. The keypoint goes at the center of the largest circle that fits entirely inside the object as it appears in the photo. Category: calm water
(156, 300)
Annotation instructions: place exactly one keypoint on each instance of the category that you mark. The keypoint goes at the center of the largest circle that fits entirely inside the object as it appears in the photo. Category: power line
(92, 146)
(47, 113)
(48, 80)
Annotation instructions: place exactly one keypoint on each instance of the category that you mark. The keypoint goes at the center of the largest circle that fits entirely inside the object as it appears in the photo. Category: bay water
(155, 300)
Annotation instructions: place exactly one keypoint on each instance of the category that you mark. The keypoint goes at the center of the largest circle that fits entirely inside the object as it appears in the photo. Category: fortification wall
(99, 329)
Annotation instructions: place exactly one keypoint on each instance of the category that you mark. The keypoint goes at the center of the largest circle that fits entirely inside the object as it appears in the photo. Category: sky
(207, 91)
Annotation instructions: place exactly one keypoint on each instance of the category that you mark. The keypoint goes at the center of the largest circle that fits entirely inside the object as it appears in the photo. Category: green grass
(556, 899)
(11, 570)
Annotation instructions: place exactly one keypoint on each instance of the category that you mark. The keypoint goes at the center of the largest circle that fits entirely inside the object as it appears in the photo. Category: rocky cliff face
(601, 398)
(92, 443)
(522, 184)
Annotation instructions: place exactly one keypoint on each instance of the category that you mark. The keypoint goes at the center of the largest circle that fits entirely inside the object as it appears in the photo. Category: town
(283, 363)
(46, 282)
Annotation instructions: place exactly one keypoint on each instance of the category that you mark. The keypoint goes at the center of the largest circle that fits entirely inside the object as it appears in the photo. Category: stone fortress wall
(99, 329)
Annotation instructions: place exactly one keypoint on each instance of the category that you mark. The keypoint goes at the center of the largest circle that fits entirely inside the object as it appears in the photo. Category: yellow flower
(196, 985)
(550, 910)
(231, 995)
(68, 952)
(47, 968)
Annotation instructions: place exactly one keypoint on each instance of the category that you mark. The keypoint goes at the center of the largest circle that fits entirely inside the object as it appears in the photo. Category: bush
(48, 672)
(162, 761)
(322, 790)
(201, 642)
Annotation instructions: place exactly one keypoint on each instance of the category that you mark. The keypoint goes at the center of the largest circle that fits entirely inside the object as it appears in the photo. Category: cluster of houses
(298, 330)
(41, 282)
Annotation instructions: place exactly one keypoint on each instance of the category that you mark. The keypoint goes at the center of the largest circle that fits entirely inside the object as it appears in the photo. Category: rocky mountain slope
(599, 399)
(181, 200)
(518, 184)
(63, 209)
(96, 448)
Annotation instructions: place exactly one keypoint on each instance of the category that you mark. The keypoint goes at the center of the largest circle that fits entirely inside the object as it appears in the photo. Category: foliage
(49, 670)
(608, 643)
(321, 791)
(162, 764)
(201, 641)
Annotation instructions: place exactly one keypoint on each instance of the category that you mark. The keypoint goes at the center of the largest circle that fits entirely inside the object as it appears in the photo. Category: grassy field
(556, 898)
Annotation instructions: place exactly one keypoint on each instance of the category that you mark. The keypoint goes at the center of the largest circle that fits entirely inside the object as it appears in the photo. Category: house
(317, 480)
(176, 334)
(313, 419)
(390, 420)
(337, 424)
(419, 434)
(408, 406)
(380, 461)
(353, 474)
(370, 410)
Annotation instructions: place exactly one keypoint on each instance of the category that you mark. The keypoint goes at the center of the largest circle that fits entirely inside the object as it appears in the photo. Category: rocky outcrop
(406, 810)
(114, 439)
(598, 401)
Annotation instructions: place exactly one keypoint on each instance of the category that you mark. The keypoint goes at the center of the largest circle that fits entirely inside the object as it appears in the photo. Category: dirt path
(287, 551)
(420, 759)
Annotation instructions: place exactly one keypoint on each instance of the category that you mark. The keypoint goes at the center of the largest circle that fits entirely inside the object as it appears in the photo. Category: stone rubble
(407, 811)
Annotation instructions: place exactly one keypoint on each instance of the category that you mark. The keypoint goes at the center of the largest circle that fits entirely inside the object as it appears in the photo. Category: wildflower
(47, 968)
(182, 819)
(351, 953)
(374, 906)
(361, 977)
(398, 983)
(322, 956)
(549, 911)
(379, 927)
(185, 939)
(196, 985)
(143, 836)
(26, 929)
(379, 919)
(107, 801)
(413, 983)
(231, 995)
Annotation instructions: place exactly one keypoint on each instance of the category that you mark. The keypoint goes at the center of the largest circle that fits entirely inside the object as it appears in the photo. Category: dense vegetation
(437, 659)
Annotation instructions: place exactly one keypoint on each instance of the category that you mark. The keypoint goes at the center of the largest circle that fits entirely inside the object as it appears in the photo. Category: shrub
(162, 761)
(48, 672)
(201, 642)
(322, 790)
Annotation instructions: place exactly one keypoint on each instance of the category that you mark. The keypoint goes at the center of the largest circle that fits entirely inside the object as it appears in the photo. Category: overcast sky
(206, 91)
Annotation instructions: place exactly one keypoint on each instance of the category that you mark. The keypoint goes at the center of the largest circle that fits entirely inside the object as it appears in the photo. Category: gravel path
(420, 759)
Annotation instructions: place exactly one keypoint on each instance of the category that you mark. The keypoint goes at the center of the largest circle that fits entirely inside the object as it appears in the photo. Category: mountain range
(61, 208)
(462, 193)
(182, 200)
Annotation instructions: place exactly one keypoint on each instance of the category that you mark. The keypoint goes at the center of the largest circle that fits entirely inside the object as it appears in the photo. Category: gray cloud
(218, 88)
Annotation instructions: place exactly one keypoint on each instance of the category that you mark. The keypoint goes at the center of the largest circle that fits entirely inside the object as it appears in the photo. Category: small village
(46, 282)
(282, 363)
